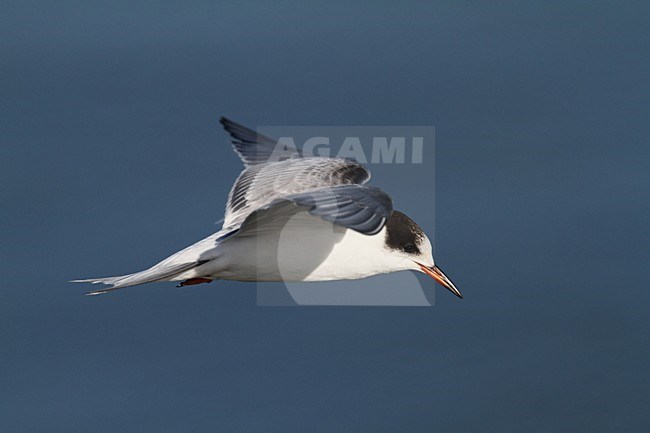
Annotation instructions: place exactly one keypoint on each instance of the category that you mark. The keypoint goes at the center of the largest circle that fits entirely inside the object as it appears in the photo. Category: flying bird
(293, 217)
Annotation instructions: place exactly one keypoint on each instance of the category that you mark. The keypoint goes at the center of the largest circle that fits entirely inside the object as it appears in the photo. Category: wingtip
(95, 281)
(102, 291)
(90, 280)
(226, 122)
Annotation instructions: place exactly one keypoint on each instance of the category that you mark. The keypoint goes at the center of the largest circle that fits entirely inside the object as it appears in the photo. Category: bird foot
(193, 281)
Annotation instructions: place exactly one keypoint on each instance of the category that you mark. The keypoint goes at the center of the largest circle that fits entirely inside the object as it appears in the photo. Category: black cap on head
(403, 234)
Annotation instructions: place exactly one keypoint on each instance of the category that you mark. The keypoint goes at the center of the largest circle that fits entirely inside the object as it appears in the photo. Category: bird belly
(304, 249)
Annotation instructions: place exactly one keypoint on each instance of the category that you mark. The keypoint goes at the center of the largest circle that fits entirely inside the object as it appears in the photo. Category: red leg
(193, 281)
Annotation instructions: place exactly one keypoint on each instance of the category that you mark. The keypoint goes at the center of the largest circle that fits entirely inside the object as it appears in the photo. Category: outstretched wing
(362, 208)
(254, 148)
(262, 184)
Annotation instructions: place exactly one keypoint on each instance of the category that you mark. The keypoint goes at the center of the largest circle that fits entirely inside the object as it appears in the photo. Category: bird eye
(410, 248)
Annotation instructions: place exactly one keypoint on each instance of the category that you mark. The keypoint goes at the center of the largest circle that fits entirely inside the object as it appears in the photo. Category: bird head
(408, 244)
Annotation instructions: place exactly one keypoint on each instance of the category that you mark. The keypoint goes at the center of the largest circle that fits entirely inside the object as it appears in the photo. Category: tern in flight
(293, 217)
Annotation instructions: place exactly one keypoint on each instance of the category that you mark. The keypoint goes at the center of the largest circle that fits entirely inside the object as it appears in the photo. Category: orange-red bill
(436, 273)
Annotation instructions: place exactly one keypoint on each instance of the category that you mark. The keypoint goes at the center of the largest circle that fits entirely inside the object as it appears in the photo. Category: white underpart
(262, 246)
(305, 248)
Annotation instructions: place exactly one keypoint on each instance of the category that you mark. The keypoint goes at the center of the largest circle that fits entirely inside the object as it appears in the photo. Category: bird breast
(306, 248)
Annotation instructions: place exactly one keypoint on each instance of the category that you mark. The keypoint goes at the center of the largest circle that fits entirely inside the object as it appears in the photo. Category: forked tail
(155, 273)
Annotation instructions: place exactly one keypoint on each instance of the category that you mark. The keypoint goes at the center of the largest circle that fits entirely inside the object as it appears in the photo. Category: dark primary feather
(364, 209)
(254, 148)
(329, 187)
(259, 185)
(361, 208)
